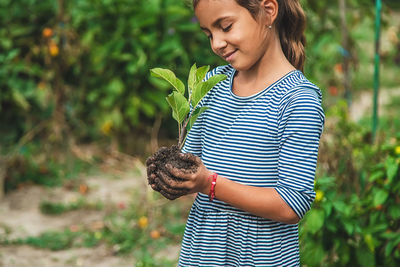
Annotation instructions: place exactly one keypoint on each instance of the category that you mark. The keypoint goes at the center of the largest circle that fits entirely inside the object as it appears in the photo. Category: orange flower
(155, 234)
(47, 32)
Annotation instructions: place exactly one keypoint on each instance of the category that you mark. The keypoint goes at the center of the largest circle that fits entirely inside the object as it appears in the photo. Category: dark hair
(290, 23)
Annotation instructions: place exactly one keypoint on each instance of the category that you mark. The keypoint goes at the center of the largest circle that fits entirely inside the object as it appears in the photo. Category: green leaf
(201, 73)
(180, 106)
(194, 117)
(394, 212)
(364, 257)
(170, 77)
(391, 168)
(192, 78)
(370, 242)
(380, 197)
(202, 88)
(20, 100)
(315, 220)
(376, 175)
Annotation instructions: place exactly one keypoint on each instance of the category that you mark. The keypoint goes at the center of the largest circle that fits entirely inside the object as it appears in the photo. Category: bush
(355, 219)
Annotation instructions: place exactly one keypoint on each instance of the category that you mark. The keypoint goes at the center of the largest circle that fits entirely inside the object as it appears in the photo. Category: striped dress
(269, 139)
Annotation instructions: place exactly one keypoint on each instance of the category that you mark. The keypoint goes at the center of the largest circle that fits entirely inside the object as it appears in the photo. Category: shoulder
(225, 69)
(298, 88)
(301, 94)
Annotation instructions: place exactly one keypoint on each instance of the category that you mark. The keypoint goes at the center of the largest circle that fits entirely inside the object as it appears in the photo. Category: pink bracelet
(213, 183)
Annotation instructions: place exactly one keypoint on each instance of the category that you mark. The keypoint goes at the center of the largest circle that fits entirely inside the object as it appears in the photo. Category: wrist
(207, 183)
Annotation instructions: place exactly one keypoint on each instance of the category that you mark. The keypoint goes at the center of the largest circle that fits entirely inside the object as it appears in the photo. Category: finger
(181, 185)
(155, 187)
(163, 185)
(150, 160)
(188, 157)
(151, 178)
(151, 169)
(180, 173)
(168, 195)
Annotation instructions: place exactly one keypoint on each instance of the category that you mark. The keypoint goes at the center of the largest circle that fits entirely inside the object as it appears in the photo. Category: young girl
(256, 145)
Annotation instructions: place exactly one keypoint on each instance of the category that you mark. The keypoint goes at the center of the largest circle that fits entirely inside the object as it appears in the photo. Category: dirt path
(21, 217)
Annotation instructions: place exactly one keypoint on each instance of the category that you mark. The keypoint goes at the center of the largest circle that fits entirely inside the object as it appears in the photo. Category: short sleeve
(299, 130)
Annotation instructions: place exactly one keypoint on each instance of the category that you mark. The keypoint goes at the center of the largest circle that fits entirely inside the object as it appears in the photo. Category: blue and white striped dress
(269, 139)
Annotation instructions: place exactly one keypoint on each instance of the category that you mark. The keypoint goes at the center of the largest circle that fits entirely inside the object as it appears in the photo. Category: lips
(229, 56)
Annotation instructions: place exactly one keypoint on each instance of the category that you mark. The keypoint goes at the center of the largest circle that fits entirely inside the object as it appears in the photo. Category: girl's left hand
(194, 182)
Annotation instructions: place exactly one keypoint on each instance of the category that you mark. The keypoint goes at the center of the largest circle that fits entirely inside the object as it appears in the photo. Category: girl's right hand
(157, 180)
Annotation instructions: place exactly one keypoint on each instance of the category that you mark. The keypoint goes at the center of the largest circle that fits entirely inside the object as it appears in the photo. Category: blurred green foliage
(355, 219)
(80, 69)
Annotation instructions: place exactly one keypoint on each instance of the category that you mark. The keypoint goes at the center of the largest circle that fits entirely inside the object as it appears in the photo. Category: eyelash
(226, 29)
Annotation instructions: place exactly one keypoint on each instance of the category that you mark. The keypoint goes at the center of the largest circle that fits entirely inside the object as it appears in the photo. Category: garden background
(79, 114)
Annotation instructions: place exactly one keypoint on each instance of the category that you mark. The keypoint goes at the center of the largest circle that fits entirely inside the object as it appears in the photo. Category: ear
(270, 8)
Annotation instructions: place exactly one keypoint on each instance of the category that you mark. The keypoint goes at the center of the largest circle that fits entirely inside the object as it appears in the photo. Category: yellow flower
(143, 222)
(53, 49)
(319, 195)
(397, 150)
(106, 127)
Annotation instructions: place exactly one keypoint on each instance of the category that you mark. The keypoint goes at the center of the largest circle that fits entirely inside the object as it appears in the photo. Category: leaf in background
(201, 73)
(391, 168)
(20, 100)
(315, 220)
(380, 197)
(180, 106)
(194, 117)
(202, 88)
(192, 78)
(170, 77)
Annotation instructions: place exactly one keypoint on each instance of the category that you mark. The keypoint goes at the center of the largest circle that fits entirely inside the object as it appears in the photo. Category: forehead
(209, 11)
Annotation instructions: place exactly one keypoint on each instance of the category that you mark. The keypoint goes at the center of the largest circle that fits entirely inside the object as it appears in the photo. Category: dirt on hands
(158, 175)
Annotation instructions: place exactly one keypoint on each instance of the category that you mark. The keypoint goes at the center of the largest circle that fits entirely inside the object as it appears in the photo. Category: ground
(20, 215)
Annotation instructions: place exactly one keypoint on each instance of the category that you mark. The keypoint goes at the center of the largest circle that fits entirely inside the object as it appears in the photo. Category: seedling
(197, 89)
(185, 111)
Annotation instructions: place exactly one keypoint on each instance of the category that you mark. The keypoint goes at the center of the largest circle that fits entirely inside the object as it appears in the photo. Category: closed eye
(226, 29)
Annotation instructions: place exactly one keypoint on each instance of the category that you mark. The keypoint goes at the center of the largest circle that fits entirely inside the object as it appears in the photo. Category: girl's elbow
(290, 217)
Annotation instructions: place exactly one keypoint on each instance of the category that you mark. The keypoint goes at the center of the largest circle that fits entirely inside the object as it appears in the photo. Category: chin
(240, 67)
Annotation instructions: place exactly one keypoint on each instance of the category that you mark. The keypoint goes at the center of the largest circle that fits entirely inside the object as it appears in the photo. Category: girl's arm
(260, 201)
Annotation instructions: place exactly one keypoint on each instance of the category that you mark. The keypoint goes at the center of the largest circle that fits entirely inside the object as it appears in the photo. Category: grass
(143, 228)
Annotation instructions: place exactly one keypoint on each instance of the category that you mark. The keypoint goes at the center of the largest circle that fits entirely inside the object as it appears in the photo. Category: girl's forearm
(261, 201)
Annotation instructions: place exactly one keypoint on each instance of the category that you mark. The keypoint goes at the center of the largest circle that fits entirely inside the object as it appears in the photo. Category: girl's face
(234, 34)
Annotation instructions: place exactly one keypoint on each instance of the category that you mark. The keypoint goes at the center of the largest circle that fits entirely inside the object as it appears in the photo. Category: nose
(218, 43)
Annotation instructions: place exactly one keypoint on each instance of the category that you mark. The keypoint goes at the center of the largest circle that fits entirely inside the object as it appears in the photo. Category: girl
(256, 145)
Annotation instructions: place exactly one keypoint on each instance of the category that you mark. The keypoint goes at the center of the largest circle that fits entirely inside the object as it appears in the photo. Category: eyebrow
(215, 23)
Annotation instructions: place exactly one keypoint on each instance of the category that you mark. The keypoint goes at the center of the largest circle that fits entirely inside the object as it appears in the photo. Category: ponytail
(290, 24)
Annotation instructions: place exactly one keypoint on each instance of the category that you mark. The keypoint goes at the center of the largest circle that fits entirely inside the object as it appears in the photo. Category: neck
(270, 68)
